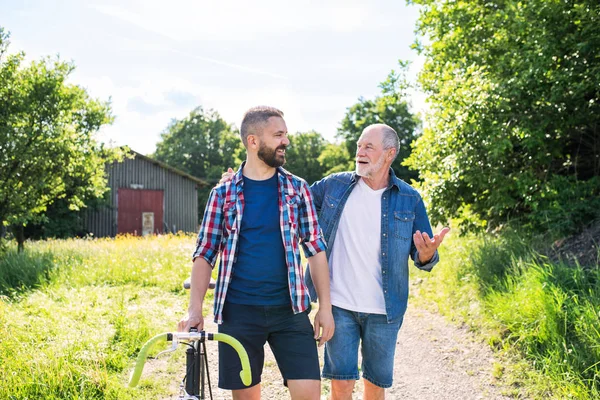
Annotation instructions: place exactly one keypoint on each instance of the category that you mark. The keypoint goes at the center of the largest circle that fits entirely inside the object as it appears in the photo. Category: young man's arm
(314, 249)
(319, 271)
(208, 246)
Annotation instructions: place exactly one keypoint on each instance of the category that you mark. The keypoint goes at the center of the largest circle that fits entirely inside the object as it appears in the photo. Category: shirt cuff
(314, 247)
(427, 266)
(209, 255)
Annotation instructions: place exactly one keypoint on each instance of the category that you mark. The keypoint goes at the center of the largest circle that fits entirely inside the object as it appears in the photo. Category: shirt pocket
(229, 217)
(292, 203)
(403, 224)
(330, 202)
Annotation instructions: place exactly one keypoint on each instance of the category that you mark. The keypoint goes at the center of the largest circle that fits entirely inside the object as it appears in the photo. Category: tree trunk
(19, 232)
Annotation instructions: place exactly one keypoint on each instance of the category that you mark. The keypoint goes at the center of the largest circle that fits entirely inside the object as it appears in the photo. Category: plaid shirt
(222, 222)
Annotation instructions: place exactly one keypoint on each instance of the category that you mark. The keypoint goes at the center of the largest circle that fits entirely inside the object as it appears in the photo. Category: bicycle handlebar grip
(245, 373)
(141, 359)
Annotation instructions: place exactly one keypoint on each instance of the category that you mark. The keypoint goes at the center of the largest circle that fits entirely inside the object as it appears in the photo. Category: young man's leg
(246, 324)
(292, 341)
(341, 354)
(304, 389)
(378, 349)
(252, 393)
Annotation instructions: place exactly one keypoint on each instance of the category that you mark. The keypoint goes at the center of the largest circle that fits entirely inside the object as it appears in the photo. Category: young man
(372, 222)
(256, 222)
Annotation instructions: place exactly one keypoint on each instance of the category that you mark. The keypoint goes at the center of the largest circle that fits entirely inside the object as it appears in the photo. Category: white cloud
(158, 60)
(141, 130)
(239, 20)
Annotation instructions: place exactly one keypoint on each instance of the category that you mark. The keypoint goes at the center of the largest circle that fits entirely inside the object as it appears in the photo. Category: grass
(75, 313)
(543, 317)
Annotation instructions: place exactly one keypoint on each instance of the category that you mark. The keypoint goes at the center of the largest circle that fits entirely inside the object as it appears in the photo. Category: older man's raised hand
(427, 246)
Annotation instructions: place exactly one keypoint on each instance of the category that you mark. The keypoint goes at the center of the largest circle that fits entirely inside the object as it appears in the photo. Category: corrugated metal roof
(170, 168)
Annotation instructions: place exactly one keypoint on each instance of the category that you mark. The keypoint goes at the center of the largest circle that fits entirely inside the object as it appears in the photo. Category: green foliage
(389, 108)
(302, 156)
(203, 145)
(47, 148)
(21, 272)
(77, 335)
(513, 88)
(543, 312)
(335, 158)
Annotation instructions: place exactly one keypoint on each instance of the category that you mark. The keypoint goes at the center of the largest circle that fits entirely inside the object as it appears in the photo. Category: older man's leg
(378, 350)
(341, 390)
(373, 392)
(341, 354)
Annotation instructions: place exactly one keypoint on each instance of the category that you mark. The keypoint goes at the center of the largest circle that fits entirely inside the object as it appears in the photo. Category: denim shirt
(402, 214)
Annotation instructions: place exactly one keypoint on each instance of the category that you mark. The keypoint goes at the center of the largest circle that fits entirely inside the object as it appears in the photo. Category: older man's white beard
(369, 170)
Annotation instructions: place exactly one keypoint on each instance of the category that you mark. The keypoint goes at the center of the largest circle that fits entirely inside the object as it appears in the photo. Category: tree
(46, 139)
(302, 156)
(203, 145)
(514, 131)
(389, 108)
(61, 219)
(335, 158)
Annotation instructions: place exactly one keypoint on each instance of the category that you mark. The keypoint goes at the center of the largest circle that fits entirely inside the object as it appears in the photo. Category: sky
(156, 60)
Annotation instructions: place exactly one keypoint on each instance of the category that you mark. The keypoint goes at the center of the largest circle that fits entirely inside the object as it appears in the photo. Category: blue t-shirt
(259, 271)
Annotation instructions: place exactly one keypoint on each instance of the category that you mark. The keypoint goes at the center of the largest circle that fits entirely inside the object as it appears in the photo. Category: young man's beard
(270, 157)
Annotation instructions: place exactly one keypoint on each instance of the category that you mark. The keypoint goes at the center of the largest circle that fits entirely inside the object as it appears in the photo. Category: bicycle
(197, 374)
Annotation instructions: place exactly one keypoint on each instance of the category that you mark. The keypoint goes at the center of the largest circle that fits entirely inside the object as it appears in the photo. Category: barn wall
(180, 202)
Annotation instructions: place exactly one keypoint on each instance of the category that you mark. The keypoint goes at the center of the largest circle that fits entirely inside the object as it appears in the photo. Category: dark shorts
(290, 336)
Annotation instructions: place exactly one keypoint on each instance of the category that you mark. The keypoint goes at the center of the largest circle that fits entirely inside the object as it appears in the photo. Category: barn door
(140, 211)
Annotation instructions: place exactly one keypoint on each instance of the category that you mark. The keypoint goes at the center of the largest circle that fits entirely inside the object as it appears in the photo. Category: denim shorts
(378, 347)
(290, 336)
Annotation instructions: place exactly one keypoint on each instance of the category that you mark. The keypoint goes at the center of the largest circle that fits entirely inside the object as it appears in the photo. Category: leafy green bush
(513, 134)
(546, 313)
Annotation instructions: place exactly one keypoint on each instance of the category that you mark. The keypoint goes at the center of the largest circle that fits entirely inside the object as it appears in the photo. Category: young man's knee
(251, 393)
(304, 389)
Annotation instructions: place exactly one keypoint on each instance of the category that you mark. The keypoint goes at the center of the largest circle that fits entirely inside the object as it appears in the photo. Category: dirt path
(434, 360)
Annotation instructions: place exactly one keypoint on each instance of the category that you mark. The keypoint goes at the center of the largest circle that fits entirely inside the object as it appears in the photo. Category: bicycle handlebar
(175, 337)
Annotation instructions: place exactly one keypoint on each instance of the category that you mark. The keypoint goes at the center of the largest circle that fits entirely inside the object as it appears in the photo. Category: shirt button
(384, 254)
(384, 235)
(384, 215)
(331, 204)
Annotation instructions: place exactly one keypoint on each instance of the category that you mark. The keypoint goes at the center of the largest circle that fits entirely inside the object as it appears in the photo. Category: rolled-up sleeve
(309, 230)
(208, 243)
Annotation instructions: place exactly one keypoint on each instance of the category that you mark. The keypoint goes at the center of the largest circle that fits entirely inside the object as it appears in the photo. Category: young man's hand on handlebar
(194, 319)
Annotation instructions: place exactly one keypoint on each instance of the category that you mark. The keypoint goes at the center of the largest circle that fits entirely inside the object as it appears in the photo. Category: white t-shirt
(355, 263)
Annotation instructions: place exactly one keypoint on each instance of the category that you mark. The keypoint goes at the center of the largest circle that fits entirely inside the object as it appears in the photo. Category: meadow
(542, 316)
(74, 313)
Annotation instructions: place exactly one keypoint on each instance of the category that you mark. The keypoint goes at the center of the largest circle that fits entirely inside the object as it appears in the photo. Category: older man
(372, 222)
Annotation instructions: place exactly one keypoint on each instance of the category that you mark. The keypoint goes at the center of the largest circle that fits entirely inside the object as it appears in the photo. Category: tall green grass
(542, 312)
(74, 313)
